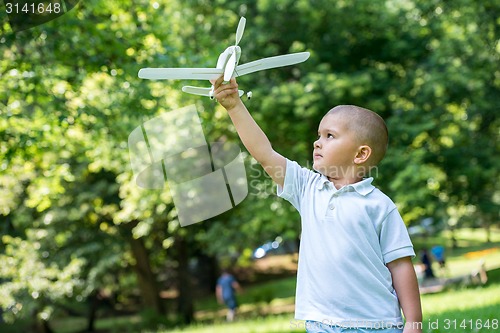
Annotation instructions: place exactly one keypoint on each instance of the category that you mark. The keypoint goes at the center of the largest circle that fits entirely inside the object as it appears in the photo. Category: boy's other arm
(405, 283)
(218, 294)
(252, 136)
(236, 286)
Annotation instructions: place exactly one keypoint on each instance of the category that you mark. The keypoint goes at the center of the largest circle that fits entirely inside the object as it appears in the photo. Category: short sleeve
(296, 179)
(394, 239)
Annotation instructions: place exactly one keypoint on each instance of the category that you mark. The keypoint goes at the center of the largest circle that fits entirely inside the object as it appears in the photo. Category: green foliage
(30, 285)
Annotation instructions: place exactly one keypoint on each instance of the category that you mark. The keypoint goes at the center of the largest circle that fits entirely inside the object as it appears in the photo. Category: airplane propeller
(240, 30)
(236, 51)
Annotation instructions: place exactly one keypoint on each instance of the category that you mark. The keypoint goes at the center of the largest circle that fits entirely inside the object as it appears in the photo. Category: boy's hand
(226, 94)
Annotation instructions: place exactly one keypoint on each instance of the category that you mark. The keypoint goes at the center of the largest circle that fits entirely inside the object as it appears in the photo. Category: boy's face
(335, 148)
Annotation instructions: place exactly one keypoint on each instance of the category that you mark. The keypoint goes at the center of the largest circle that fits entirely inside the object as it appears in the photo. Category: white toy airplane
(227, 65)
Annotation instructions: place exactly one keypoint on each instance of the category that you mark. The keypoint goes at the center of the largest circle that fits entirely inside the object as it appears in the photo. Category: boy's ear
(364, 153)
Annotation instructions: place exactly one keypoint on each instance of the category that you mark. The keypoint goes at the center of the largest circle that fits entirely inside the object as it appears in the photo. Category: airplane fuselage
(224, 57)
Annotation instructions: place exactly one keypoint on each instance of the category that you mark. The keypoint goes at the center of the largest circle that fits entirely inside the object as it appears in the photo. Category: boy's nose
(317, 144)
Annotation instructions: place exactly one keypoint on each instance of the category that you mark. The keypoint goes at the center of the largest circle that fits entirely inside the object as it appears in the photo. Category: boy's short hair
(369, 127)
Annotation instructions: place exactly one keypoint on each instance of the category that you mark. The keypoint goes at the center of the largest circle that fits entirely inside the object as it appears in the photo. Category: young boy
(355, 272)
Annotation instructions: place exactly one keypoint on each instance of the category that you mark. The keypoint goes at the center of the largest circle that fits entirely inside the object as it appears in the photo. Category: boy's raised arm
(252, 136)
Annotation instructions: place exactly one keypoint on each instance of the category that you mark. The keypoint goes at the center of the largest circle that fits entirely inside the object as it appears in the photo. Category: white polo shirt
(348, 236)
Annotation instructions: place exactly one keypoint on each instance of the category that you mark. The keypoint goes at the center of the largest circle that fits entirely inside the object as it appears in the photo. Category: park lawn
(447, 311)
(472, 250)
(256, 295)
(460, 311)
(467, 310)
(268, 307)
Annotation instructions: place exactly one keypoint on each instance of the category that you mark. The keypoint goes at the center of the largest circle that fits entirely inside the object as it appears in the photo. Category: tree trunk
(487, 227)
(40, 325)
(207, 272)
(146, 278)
(185, 300)
(93, 305)
(454, 244)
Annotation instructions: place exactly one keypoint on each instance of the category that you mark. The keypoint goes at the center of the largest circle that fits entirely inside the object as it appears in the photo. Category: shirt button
(332, 207)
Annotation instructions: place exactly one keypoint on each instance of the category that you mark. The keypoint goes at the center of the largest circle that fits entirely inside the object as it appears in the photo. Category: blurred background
(84, 249)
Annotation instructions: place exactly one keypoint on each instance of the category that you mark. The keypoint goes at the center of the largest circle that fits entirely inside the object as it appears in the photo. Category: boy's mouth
(316, 156)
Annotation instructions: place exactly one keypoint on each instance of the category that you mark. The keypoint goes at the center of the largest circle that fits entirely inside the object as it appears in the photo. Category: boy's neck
(341, 182)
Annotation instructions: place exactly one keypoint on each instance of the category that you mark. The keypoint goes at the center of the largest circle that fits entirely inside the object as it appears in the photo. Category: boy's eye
(330, 135)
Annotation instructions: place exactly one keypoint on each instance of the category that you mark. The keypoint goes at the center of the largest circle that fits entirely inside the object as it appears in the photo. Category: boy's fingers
(213, 81)
(216, 83)
(221, 87)
(219, 82)
(223, 91)
(222, 95)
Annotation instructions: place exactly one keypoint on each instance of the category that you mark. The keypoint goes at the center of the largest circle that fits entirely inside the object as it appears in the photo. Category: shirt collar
(363, 187)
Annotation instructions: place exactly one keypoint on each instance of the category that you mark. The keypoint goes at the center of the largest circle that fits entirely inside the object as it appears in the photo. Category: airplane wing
(272, 62)
(180, 73)
(202, 91)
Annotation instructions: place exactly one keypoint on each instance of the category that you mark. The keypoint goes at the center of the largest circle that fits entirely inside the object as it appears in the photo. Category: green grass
(459, 262)
(443, 312)
(268, 324)
(125, 324)
(262, 293)
(447, 311)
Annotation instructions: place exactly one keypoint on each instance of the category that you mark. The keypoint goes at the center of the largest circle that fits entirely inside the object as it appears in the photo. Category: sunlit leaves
(28, 278)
